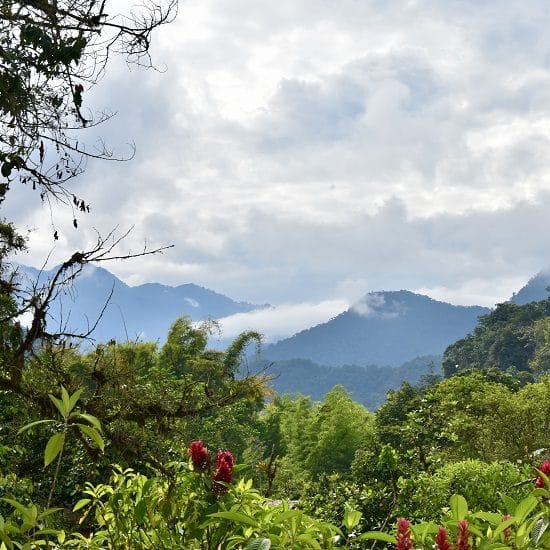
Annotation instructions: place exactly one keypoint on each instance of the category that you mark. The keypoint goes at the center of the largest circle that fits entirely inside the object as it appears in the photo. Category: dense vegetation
(368, 385)
(512, 337)
(117, 454)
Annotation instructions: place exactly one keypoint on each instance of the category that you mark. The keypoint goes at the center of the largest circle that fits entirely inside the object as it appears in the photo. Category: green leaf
(32, 425)
(59, 405)
(259, 544)
(490, 517)
(93, 434)
(140, 511)
(48, 512)
(502, 526)
(6, 540)
(17, 505)
(375, 535)
(459, 507)
(53, 447)
(309, 540)
(524, 508)
(351, 518)
(509, 503)
(236, 517)
(81, 503)
(91, 419)
(283, 516)
(74, 398)
(66, 400)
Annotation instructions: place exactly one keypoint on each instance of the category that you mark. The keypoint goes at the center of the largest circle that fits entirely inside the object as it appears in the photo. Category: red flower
(463, 536)
(441, 541)
(198, 454)
(224, 472)
(545, 469)
(404, 540)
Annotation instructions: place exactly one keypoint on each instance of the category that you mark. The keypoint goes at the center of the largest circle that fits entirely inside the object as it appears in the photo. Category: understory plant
(523, 525)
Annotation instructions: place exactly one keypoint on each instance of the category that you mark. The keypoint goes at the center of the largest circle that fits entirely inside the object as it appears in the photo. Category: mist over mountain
(384, 328)
(145, 311)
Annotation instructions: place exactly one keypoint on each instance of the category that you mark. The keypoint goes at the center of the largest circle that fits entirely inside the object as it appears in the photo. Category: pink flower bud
(463, 538)
(441, 540)
(224, 472)
(404, 540)
(198, 454)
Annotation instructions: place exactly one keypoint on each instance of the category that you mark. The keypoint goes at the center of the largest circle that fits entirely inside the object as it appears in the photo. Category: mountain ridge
(383, 328)
(144, 311)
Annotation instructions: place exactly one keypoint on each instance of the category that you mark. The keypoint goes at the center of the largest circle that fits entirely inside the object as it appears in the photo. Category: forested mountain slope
(384, 328)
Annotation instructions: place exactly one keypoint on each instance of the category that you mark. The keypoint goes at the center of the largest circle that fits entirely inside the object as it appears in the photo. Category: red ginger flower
(463, 536)
(198, 454)
(224, 472)
(404, 540)
(441, 540)
(545, 469)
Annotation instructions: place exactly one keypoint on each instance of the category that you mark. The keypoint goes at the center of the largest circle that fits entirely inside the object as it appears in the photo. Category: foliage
(505, 339)
(311, 439)
(524, 526)
(482, 484)
(368, 384)
(51, 53)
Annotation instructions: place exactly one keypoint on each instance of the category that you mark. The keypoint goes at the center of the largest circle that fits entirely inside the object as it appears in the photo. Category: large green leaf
(91, 419)
(32, 425)
(74, 398)
(351, 519)
(59, 405)
(376, 535)
(53, 447)
(524, 508)
(459, 507)
(81, 503)
(504, 525)
(236, 517)
(66, 400)
(93, 434)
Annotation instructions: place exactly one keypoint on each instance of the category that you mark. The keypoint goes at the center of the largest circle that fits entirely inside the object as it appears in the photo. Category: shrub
(423, 497)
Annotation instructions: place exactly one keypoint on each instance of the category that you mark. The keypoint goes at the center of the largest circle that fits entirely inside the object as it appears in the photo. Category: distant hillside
(145, 311)
(534, 291)
(384, 328)
(368, 385)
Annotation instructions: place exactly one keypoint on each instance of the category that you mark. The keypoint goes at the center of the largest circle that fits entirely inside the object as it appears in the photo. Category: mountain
(534, 291)
(368, 385)
(145, 311)
(384, 328)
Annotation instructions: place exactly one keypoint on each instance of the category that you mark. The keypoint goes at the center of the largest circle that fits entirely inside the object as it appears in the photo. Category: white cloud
(282, 321)
(295, 145)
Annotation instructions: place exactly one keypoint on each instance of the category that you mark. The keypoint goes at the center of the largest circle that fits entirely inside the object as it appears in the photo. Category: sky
(304, 152)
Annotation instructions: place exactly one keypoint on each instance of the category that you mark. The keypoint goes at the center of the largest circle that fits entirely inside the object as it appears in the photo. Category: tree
(341, 427)
(51, 53)
(540, 361)
(504, 339)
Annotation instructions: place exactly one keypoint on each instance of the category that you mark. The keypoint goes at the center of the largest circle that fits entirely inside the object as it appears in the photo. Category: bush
(482, 484)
